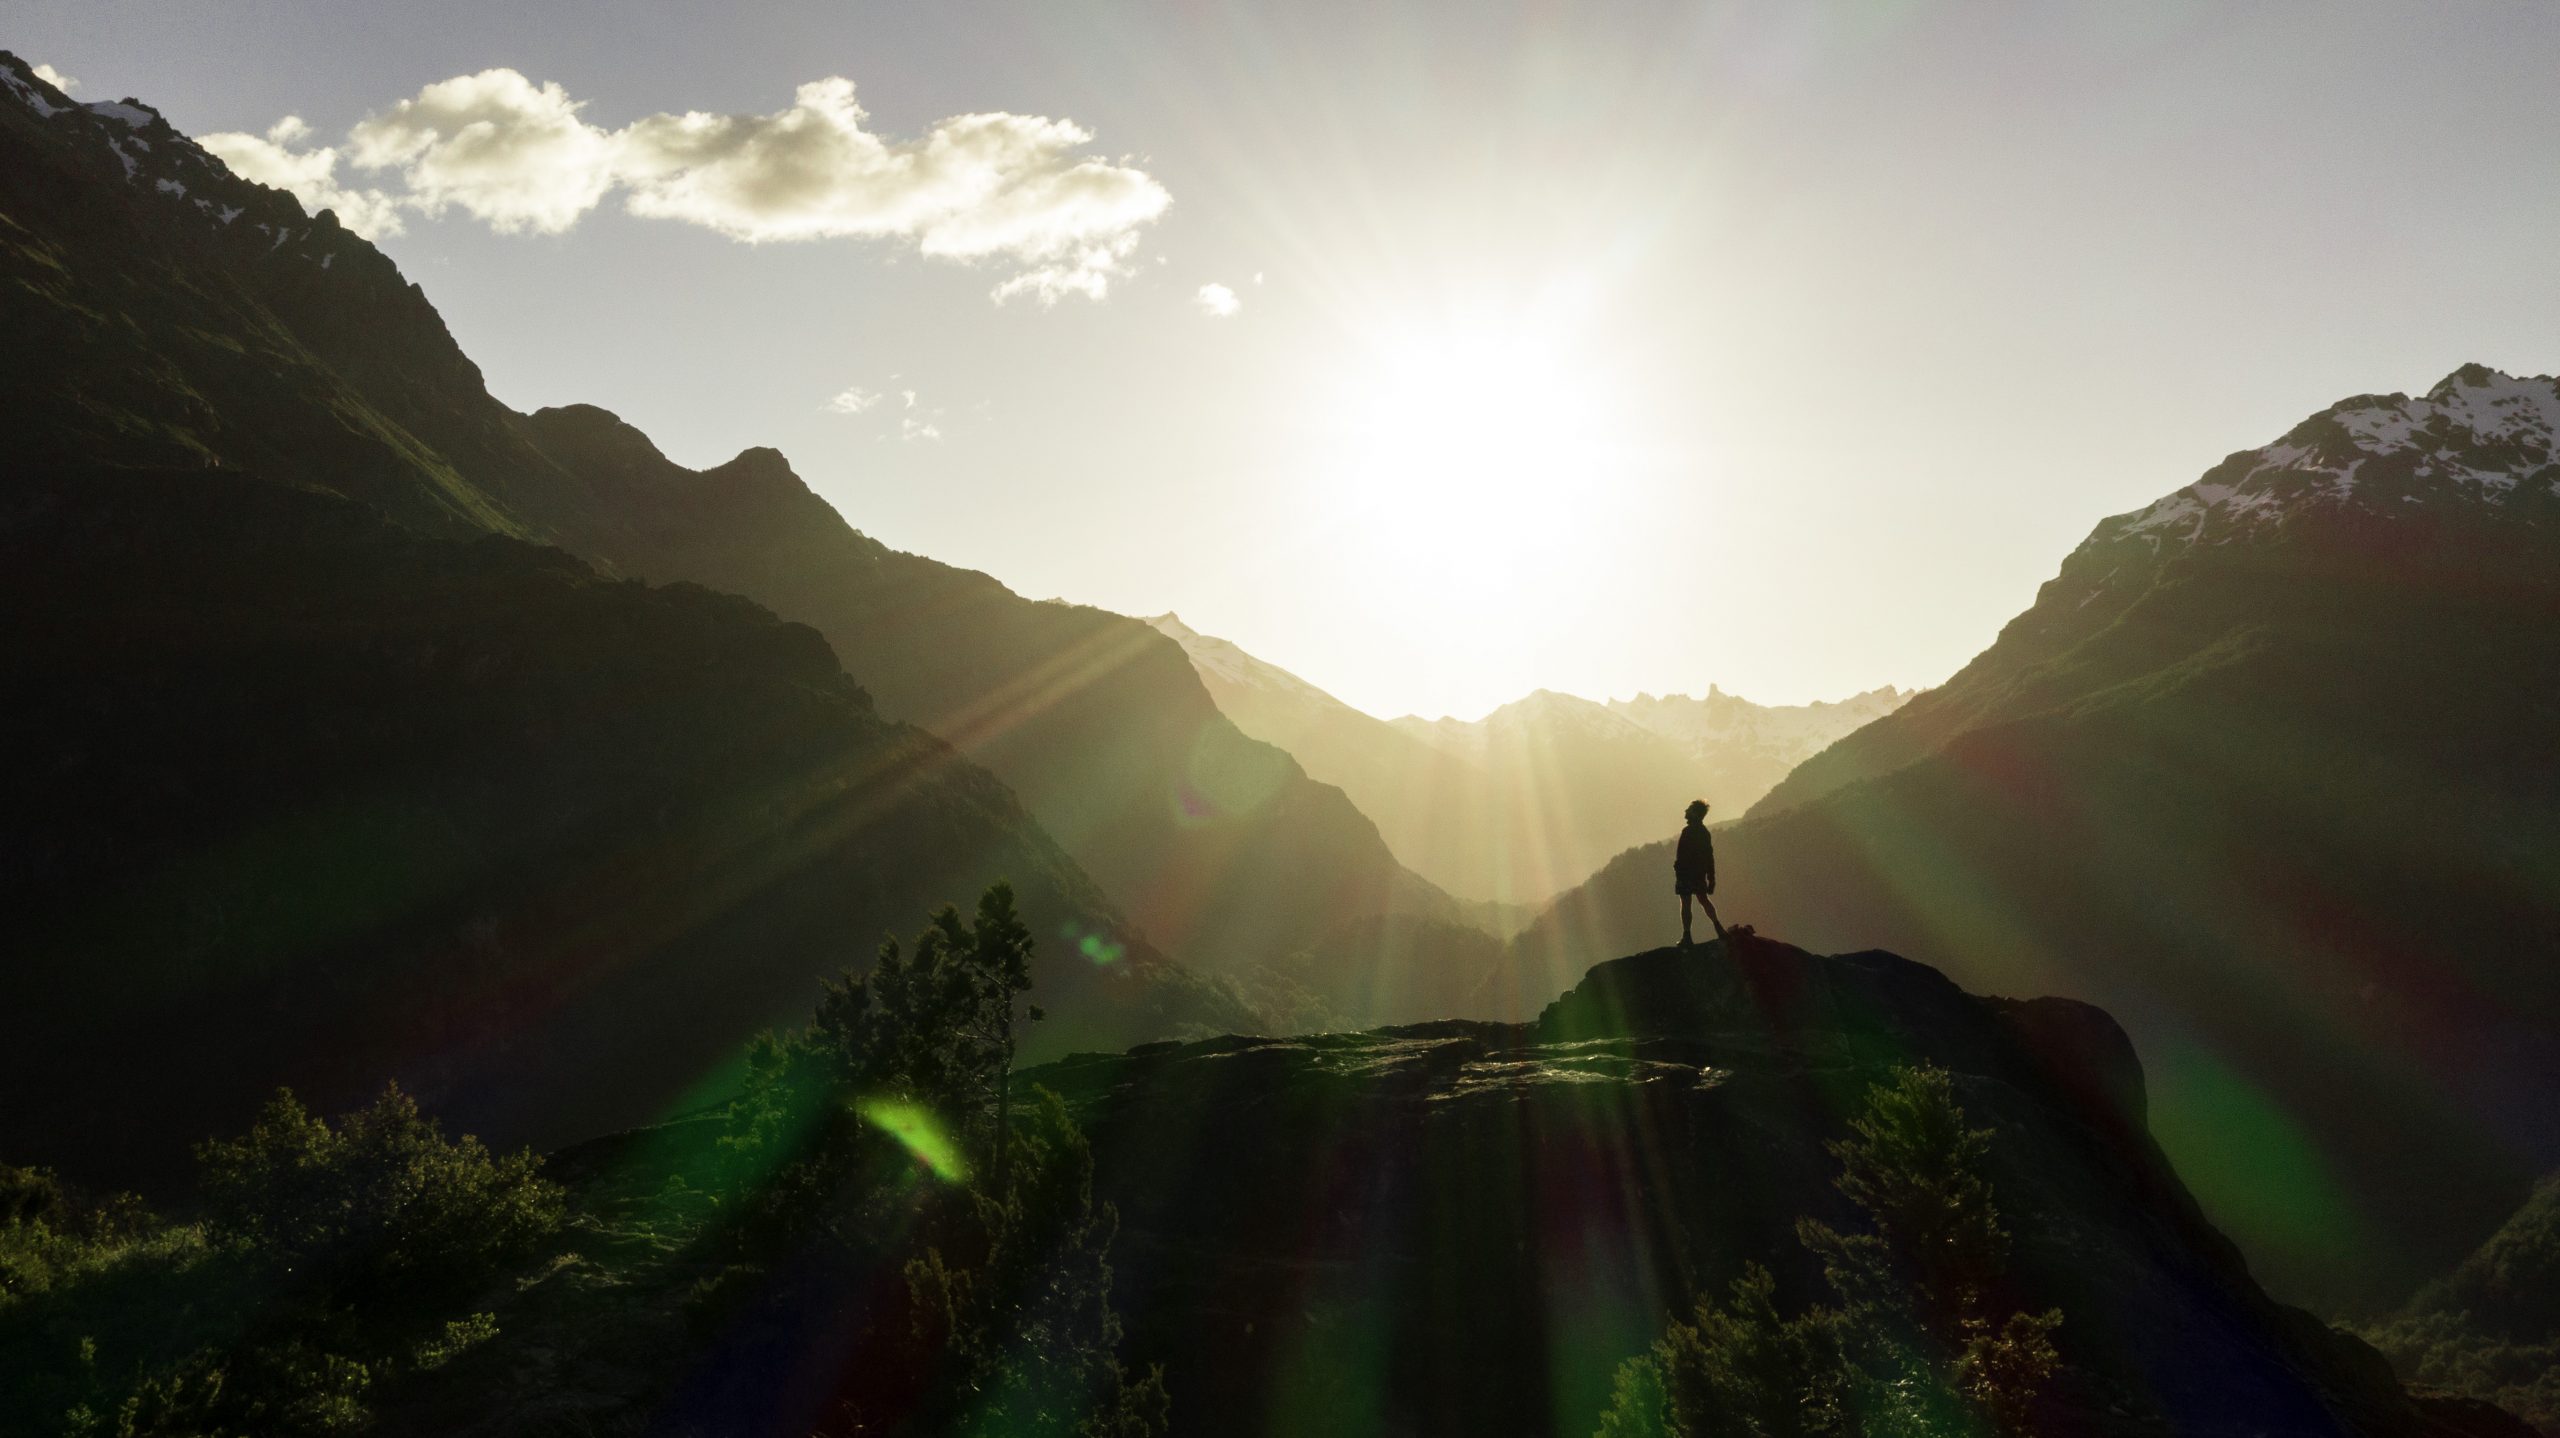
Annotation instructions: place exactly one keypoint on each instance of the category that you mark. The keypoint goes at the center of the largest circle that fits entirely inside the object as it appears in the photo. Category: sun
(1470, 449)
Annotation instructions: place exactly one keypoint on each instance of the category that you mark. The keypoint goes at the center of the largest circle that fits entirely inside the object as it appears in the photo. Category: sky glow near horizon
(1436, 357)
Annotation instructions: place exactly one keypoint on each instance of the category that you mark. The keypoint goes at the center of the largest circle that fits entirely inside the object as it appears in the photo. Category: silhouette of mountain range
(166, 316)
(169, 319)
(1530, 799)
(2266, 769)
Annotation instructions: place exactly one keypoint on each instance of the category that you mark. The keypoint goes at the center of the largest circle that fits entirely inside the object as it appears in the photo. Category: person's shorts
(1689, 884)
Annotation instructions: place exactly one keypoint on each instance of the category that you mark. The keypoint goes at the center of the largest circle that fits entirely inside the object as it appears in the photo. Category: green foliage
(1916, 1170)
(1919, 1293)
(1639, 1407)
(281, 1390)
(1920, 1343)
(1008, 1326)
(936, 1025)
(1015, 1309)
(382, 1197)
(47, 1235)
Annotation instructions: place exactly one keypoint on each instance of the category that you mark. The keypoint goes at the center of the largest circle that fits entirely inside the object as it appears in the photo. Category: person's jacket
(1696, 854)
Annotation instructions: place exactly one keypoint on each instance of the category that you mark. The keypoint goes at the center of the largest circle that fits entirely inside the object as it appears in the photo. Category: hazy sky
(1600, 348)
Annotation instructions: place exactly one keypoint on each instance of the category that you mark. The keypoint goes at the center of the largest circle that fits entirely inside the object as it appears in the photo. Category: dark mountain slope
(163, 311)
(299, 797)
(173, 314)
(1221, 846)
(2268, 771)
(1462, 1227)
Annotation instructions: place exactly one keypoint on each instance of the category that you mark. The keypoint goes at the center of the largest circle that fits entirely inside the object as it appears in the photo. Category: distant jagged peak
(1223, 661)
(2478, 438)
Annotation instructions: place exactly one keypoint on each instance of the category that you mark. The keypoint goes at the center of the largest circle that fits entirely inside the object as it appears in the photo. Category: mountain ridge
(1530, 799)
(2277, 801)
(297, 352)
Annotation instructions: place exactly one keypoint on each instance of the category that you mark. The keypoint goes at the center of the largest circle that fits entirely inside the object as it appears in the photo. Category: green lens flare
(913, 1125)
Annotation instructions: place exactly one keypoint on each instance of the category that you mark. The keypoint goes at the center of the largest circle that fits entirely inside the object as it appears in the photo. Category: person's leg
(1684, 917)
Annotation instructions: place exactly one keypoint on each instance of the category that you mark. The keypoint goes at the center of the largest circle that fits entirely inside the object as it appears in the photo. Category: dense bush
(1921, 1341)
(48, 1234)
(383, 1196)
(326, 1264)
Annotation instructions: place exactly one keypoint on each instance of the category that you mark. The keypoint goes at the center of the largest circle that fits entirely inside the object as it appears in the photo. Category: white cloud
(51, 76)
(983, 187)
(309, 175)
(510, 152)
(1217, 301)
(854, 400)
(912, 429)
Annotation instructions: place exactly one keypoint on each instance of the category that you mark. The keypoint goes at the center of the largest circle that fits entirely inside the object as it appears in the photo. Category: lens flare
(914, 1126)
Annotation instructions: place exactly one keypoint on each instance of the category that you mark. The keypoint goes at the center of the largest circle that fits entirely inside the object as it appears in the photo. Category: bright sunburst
(1468, 447)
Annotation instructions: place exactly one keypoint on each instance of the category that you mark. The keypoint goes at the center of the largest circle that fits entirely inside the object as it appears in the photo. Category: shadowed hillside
(1219, 845)
(304, 798)
(168, 313)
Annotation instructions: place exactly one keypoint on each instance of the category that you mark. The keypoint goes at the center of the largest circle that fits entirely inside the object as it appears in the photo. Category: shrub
(1921, 1342)
(46, 1233)
(382, 1196)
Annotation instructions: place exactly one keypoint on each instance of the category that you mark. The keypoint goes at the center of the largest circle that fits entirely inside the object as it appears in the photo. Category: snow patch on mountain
(2472, 439)
(126, 112)
(33, 92)
(165, 167)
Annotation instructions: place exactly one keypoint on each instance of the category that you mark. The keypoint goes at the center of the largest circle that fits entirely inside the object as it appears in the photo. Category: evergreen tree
(1921, 1342)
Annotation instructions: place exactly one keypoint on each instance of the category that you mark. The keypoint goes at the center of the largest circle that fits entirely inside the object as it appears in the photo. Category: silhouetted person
(1693, 870)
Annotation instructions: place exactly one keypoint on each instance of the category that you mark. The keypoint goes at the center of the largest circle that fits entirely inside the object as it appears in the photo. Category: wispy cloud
(520, 156)
(280, 158)
(51, 76)
(917, 421)
(1217, 301)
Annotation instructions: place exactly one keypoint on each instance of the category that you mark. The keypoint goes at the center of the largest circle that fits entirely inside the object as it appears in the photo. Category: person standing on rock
(1693, 870)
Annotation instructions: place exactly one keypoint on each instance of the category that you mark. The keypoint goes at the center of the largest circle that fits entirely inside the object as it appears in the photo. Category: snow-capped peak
(2474, 438)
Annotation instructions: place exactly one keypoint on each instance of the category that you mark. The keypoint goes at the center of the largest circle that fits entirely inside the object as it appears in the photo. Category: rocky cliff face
(1462, 1227)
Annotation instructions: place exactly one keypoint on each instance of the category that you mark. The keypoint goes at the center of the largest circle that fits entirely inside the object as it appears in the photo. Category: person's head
(1697, 811)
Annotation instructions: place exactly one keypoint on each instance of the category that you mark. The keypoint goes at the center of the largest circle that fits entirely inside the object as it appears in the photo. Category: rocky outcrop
(1463, 1227)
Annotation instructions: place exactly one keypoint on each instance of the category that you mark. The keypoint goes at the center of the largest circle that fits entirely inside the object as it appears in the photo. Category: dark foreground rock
(1464, 1227)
